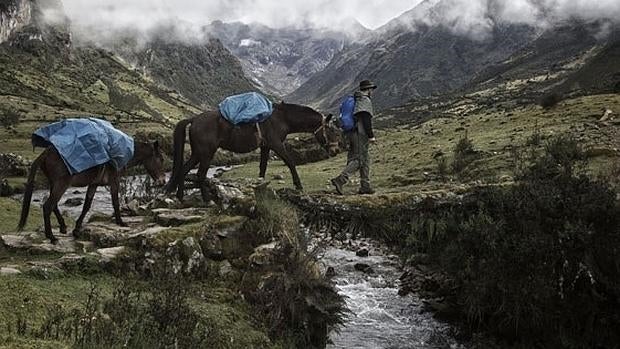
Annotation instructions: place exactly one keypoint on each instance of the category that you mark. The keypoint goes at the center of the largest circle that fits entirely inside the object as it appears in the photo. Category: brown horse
(209, 131)
(59, 178)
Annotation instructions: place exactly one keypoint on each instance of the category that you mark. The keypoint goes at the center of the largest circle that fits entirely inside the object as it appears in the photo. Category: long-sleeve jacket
(364, 112)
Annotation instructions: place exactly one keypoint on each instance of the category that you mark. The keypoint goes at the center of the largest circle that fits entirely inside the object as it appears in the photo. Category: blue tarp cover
(246, 108)
(85, 143)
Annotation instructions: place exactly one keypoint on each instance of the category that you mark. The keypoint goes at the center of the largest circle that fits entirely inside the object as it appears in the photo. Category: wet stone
(74, 202)
(364, 268)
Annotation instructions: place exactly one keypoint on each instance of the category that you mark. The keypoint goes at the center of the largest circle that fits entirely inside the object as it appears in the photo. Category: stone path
(104, 241)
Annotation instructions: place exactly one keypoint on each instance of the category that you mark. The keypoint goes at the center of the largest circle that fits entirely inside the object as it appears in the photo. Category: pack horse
(85, 153)
(268, 128)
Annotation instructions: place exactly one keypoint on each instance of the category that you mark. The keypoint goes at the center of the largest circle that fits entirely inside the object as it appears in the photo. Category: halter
(323, 128)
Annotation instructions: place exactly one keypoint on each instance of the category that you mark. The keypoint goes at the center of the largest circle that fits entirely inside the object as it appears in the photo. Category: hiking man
(358, 138)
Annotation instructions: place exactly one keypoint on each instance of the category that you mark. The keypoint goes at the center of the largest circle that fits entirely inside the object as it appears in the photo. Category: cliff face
(14, 15)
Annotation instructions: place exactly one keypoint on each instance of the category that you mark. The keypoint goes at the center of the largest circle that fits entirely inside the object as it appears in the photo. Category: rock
(363, 267)
(212, 247)
(104, 235)
(227, 194)
(263, 255)
(175, 218)
(278, 177)
(74, 202)
(164, 202)
(110, 253)
(607, 113)
(330, 272)
(362, 252)
(99, 217)
(186, 256)
(225, 268)
(506, 179)
(5, 188)
(9, 271)
(133, 207)
(37, 243)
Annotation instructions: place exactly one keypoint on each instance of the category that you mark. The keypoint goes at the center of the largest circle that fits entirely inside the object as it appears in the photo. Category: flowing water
(102, 202)
(380, 318)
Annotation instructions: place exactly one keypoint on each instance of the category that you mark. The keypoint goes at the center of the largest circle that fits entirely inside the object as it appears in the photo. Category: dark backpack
(347, 120)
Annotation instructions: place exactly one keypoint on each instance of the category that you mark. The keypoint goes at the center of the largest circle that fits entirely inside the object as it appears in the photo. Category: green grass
(403, 155)
(10, 210)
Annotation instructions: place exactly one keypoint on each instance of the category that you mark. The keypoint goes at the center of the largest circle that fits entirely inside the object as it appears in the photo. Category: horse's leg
(114, 186)
(278, 148)
(264, 158)
(188, 166)
(61, 220)
(50, 204)
(205, 162)
(90, 194)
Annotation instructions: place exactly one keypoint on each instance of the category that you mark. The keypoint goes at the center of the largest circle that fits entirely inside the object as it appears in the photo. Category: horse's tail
(36, 164)
(179, 145)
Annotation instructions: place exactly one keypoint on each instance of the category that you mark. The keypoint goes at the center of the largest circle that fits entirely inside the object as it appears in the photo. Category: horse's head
(152, 159)
(329, 136)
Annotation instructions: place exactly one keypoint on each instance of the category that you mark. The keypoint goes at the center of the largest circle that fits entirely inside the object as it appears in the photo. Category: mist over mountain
(280, 60)
(442, 45)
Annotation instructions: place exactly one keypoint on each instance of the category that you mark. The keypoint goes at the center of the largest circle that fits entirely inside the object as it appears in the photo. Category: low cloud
(103, 20)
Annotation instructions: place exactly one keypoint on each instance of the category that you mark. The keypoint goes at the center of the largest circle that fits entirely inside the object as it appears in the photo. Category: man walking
(359, 138)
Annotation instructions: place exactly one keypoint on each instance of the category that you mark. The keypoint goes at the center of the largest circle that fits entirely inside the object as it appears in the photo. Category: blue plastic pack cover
(246, 108)
(85, 143)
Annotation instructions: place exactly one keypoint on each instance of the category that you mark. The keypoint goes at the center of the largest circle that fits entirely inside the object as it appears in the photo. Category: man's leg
(352, 163)
(364, 164)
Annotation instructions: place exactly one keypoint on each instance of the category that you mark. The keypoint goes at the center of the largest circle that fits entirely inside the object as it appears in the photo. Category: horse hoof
(76, 233)
(123, 224)
(54, 241)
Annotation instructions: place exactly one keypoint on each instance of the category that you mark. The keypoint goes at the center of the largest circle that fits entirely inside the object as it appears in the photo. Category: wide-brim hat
(367, 85)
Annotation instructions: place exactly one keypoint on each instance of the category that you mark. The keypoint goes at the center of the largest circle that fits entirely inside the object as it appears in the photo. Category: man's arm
(366, 119)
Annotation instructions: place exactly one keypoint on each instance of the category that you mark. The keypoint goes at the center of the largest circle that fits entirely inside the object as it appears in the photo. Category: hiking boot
(366, 191)
(337, 183)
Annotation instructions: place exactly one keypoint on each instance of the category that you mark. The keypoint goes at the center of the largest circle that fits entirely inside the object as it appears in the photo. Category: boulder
(362, 252)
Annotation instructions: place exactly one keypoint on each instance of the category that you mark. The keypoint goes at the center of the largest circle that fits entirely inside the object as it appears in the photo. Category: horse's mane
(295, 108)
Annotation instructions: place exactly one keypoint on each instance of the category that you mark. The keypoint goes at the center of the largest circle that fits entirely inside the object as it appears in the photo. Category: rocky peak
(14, 15)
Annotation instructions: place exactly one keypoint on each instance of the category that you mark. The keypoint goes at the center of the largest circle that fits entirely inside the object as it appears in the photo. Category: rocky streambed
(368, 274)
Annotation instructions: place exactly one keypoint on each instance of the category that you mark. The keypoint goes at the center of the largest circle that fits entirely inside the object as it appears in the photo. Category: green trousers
(357, 158)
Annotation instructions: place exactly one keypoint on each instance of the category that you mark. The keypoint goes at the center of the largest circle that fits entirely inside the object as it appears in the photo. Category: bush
(539, 260)
(551, 100)
(155, 314)
(9, 118)
(464, 154)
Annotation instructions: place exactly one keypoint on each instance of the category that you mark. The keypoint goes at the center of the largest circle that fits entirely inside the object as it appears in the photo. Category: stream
(379, 318)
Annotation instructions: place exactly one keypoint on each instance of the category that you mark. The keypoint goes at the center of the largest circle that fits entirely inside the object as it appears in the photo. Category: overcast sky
(144, 14)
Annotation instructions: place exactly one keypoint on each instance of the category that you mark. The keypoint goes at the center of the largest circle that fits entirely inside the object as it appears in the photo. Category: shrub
(551, 100)
(464, 154)
(9, 118)
(540, 258)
